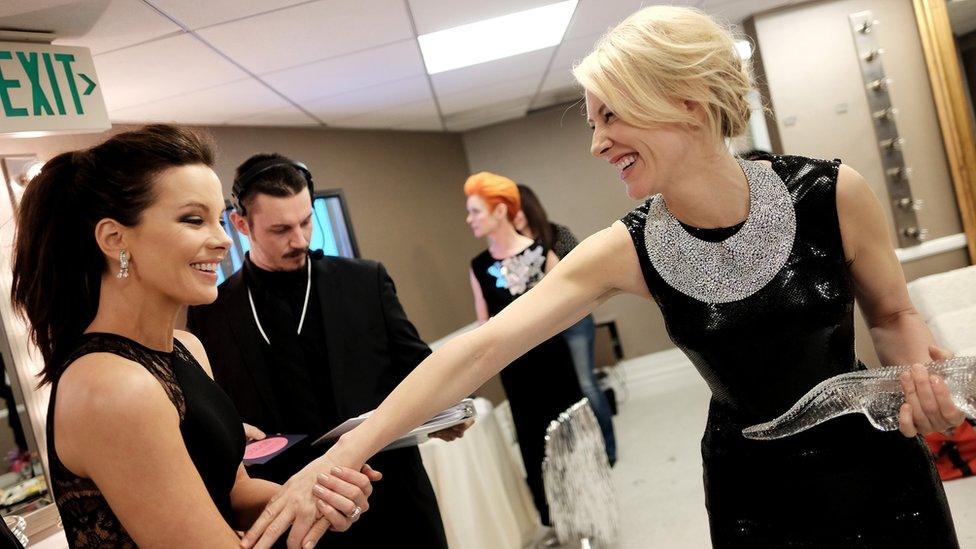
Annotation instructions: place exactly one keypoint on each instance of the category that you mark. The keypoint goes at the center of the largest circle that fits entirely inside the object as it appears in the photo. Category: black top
(840, 484)
(299, 362)
(210, 426)
(503, 280)
(563, 240)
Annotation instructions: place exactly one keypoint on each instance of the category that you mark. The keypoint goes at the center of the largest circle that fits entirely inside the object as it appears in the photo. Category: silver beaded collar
(736, 268)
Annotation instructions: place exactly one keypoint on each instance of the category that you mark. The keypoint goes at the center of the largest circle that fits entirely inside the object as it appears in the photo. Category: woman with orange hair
(541, 384)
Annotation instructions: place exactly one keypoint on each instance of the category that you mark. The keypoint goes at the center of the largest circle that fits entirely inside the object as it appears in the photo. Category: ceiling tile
(214, 105)
(310, 32)
(735, 11)
(386, 118)
(159, 69)
(599, 16)
(286, 116)
(123, 23)
(574, 49)
(435, 15)
(428, 124)
(556, 97)
(195, 14)
(494, 114)
(558, 79)
(348, 72)
(487, 95)
(492, 72)
(374, 98)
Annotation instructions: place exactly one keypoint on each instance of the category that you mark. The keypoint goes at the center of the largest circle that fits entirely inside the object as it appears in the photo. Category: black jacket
(371, 347)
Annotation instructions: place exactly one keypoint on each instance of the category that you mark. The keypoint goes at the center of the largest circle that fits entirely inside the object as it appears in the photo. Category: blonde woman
(756, 266)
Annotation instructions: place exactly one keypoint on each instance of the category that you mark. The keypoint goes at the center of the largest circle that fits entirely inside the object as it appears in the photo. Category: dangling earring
(123, 264)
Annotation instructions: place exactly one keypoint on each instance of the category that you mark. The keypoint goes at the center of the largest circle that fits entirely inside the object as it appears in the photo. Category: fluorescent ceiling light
(496, 38)
(744, 47)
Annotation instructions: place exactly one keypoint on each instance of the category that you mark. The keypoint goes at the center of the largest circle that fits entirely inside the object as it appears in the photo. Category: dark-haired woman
(533, 222)
(144, 448)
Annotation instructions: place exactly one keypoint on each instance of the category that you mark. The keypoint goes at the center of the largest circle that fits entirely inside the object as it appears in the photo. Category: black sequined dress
(841, 484)
(211, 429)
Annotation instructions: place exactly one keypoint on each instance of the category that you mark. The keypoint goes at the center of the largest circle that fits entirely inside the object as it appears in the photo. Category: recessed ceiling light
(496, 38)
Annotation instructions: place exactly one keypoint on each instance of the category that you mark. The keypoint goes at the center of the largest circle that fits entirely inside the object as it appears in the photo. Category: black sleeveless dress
(211, 429)
(541, 384)
(841, 484)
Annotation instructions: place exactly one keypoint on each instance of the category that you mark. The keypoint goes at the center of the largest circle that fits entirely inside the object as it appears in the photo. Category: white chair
(947, 303)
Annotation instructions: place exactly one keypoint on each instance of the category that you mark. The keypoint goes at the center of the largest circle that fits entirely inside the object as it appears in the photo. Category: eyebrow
(598, 111)
(287, 225)
(195, 204)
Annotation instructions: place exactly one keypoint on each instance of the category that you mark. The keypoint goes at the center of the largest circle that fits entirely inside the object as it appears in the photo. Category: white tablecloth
(484, 500)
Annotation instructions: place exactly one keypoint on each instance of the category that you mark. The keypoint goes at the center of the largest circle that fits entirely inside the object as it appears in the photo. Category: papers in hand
(455, 415)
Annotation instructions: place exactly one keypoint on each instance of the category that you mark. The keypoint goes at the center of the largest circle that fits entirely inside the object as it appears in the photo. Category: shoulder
(104, 404)
(104, 387)
(196, 349)
(346, 265)
(800, 172)
(483, 257)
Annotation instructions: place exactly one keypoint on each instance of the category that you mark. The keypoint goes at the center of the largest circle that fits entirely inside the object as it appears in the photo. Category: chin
(205, 297)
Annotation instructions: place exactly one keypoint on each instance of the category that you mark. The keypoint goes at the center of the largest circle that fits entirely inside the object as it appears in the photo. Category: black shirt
(298, 364)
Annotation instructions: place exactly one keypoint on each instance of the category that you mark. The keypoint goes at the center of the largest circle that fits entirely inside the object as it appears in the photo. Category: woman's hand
(308, 503)
(928, 405)
(252, 433)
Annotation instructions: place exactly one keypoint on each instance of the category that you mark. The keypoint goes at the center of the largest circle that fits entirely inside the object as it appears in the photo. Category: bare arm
(480, 307)
(603, 265)
(898, 332)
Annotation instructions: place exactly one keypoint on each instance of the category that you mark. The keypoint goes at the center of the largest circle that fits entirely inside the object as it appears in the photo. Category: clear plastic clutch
(875, 393)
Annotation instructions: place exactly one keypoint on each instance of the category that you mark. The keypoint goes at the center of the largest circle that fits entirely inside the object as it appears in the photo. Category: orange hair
(494, 190)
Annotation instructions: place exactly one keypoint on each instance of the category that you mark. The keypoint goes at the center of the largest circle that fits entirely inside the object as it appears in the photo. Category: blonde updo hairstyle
(645, 67)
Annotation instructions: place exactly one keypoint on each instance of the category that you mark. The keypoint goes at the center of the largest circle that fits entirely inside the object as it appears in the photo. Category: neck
(709, 193)
(505, 240)
(128, 310)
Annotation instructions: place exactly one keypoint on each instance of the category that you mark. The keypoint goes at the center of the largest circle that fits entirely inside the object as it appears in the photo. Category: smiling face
(646, 159)
(180, 238)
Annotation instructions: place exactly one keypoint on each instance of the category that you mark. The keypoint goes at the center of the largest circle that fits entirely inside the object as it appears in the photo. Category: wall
(810, 68)
(404, 195)
(550, 152)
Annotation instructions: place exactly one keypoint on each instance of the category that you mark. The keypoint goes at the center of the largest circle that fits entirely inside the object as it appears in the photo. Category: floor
(658, 475)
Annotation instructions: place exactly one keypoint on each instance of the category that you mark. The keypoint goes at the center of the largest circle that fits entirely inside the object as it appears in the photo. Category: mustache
(295, 254)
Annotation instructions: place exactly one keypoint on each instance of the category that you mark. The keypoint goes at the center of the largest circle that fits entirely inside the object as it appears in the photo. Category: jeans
(580, 338)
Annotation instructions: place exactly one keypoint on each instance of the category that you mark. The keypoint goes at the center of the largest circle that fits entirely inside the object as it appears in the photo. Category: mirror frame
(953, 108)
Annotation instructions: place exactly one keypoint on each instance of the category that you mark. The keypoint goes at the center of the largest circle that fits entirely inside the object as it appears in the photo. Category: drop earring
(123, 264)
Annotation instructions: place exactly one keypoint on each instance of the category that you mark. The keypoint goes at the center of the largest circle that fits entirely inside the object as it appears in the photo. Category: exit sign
(45, 88)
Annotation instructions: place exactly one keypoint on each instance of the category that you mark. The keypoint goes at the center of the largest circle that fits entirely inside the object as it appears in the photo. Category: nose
(298, 239)
(221, 239)
(600, 144)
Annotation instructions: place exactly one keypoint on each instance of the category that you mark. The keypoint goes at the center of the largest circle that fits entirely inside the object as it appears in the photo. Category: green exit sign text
(46, 88)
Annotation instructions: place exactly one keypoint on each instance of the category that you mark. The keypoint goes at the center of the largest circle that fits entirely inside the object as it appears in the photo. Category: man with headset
(302, 342)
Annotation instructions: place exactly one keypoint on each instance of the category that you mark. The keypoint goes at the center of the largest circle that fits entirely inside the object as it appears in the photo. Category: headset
(245, 180)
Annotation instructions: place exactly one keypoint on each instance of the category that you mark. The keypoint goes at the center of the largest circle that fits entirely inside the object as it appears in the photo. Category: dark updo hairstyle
(535, 216)
(57, 264)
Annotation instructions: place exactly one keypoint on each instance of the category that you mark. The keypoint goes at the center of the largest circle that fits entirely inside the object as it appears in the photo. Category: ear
(240, 223)
(110, 236)
(500, 211)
